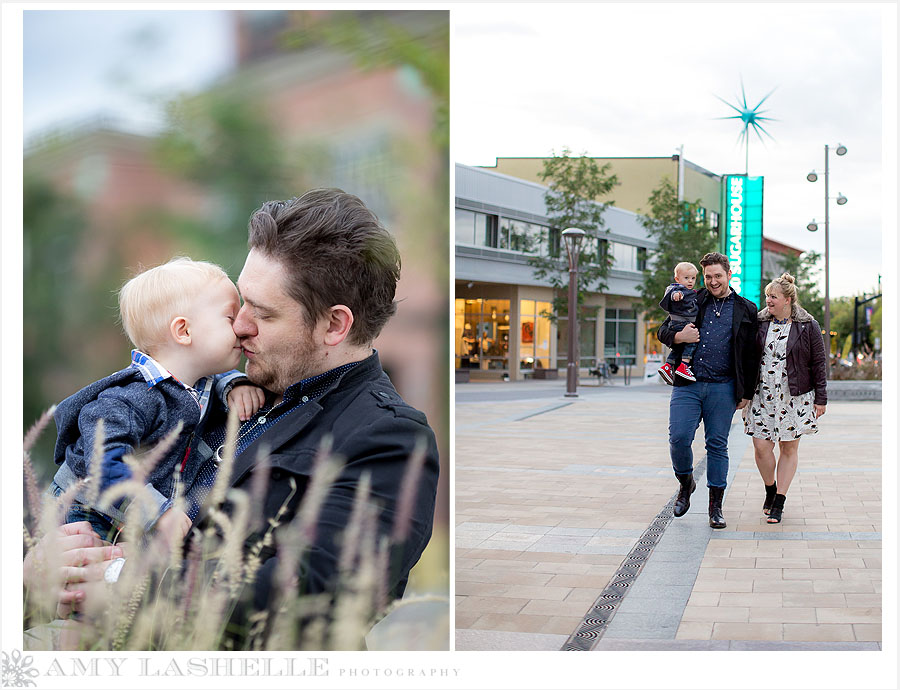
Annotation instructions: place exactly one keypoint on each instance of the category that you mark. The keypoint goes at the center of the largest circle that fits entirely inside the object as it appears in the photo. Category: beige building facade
(638, 177)
(502, 312)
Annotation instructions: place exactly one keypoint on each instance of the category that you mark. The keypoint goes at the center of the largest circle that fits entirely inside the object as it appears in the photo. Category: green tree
(55, 301)
(875, 327)
(575, 185)
(842, 322)
(805, 269)
(222, 142)
(841, 319)
(681, 235)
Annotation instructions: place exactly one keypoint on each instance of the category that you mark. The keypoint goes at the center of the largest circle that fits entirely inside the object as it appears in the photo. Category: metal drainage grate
(604, 608)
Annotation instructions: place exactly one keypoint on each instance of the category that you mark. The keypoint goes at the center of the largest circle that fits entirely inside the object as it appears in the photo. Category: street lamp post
(812, 227)
(573, 238)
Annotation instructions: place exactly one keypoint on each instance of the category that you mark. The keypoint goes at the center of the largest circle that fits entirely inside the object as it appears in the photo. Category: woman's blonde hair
(786, 284)
(149, 301)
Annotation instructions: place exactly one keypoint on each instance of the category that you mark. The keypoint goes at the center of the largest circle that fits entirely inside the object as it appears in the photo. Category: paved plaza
(565, 537)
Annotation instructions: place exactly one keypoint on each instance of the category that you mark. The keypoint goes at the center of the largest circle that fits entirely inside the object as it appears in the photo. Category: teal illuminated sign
(742, 238)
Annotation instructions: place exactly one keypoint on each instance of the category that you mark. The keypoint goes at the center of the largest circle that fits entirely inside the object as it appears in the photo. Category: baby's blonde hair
(149, 301)
(683, 265)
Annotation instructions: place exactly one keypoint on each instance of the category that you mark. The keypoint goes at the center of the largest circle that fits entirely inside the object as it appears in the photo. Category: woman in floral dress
(790, 395)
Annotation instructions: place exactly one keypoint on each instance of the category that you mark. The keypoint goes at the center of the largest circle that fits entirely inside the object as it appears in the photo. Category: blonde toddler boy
(179, 317)
(680, 301)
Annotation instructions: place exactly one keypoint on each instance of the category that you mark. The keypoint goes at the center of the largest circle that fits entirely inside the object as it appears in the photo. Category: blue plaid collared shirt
(154, 372)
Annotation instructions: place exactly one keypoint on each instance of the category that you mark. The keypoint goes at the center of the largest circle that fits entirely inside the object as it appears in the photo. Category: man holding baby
(317, 287)
(726, 367)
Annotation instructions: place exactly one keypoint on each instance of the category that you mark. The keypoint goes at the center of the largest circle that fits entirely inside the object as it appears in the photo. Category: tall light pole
(573, 238)
(812, 227)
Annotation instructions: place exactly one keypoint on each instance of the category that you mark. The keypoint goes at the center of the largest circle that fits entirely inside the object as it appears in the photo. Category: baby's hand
(246, 400)
(173, 525)
(676, 296)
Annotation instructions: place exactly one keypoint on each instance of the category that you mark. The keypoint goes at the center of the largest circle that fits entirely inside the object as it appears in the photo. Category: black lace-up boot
(683, 500)
(716, 519)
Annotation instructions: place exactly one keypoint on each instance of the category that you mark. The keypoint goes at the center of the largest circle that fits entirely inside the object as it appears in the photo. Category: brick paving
(552, 494)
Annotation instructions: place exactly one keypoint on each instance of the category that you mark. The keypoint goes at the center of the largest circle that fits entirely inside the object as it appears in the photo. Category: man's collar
(326, 379)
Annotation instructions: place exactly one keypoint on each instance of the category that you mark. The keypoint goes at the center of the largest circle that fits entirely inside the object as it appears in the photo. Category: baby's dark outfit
(681, 313)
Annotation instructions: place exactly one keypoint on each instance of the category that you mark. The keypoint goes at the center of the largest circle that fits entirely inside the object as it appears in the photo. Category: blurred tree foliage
(875, 327)
(222, 142)
(841, 321)
(681, 235)
(52, 296)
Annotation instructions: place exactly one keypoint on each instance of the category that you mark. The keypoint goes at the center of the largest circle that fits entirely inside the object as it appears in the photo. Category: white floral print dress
(774, 414)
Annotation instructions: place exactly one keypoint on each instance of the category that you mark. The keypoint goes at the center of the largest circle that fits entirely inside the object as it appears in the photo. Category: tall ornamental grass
(175, 597)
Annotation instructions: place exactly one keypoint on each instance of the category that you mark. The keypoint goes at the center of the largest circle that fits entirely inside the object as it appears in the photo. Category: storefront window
(587, 343)
(481, 331)
(534, 347)
(653, 348)
(620, 340)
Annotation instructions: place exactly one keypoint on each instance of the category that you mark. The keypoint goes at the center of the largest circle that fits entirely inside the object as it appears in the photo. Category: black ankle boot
(777, 509)
(716, 519)
(770, 496)
(683, 500)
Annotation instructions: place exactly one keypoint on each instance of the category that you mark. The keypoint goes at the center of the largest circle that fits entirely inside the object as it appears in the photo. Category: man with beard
(317, 287)
(726, 366)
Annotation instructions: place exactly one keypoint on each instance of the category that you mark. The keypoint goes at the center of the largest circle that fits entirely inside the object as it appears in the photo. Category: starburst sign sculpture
(751, 117)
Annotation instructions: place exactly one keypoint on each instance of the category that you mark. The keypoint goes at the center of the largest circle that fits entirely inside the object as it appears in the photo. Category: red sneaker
(684, 371)
(665, 373)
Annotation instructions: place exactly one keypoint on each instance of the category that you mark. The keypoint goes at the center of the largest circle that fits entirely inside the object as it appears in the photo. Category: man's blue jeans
(714, 404)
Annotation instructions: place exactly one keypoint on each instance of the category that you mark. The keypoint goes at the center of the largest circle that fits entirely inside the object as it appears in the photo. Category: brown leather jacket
(806, 362)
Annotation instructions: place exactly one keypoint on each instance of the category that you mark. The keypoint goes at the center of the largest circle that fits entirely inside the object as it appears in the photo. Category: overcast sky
(642, 80)
(606, 79)
(80, 65)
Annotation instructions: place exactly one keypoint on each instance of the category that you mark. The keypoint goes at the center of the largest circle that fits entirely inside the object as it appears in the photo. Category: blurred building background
(351, 99)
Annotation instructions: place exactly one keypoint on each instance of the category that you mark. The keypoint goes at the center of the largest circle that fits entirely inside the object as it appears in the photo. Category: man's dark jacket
(744, 349)
(807, 367)
(373, 432)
